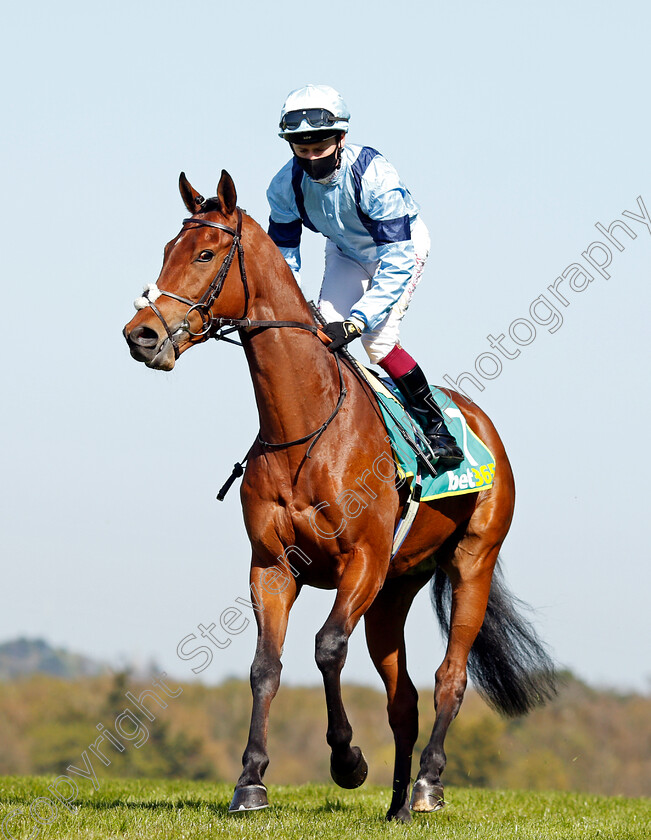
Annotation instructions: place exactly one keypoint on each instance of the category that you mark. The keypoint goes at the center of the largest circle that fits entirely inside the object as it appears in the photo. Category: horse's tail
(508, 663)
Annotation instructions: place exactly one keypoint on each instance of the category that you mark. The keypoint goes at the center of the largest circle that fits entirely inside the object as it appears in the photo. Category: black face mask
(321, 167)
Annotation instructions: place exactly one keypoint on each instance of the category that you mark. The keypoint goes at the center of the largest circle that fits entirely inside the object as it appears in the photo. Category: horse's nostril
(143, 337)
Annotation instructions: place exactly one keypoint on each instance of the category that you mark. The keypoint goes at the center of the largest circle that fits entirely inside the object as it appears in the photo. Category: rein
(215, 327)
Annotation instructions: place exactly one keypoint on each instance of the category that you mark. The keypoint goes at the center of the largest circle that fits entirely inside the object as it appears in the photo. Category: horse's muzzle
(145, 345)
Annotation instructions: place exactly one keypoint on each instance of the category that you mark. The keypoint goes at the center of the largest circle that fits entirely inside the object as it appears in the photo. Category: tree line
(590, 740)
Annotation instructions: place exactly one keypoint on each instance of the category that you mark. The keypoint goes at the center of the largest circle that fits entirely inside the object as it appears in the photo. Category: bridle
(214, 327)
(203, 306)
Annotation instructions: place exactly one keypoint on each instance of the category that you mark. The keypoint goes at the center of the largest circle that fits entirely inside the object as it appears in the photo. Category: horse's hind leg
(470, 571)
(358, 587)
(385, 622)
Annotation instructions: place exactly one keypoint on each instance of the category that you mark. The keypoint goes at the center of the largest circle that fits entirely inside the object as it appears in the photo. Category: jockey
(376, 245)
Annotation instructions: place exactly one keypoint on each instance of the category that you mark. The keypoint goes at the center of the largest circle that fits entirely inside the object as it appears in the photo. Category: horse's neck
(294, 378)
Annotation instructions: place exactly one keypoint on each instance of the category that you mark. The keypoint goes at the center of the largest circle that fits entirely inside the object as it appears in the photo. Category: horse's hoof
(249, 798)
(354, 778)
(426, 798)
(403, 815)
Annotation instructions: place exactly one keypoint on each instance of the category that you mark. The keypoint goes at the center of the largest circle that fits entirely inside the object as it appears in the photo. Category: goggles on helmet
(315, 117)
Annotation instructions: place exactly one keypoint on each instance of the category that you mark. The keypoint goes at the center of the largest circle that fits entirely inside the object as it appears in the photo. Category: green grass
(179, 810)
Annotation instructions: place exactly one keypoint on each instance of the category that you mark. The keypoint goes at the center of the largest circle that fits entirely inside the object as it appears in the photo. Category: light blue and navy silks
(366, 211)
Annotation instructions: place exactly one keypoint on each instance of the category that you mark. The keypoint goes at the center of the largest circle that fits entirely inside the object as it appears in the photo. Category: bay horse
(320, 511)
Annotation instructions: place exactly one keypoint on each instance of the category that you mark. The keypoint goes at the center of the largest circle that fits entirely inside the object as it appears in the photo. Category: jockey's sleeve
(285, 225)
(389, 214)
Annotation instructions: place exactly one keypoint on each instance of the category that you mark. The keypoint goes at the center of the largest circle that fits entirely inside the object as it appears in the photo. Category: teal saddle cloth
(474, 473)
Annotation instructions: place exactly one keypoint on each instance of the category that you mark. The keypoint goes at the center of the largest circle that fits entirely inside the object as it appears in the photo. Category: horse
(321, 499)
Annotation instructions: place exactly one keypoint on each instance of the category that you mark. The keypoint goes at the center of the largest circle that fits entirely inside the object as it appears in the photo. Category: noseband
(204, 305)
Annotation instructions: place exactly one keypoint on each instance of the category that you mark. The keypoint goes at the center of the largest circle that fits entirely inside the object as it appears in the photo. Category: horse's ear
(226, 192)
(190, 196)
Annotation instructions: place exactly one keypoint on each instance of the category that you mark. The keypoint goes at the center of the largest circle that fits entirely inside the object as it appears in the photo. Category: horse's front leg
(272, 613)
(358, 587)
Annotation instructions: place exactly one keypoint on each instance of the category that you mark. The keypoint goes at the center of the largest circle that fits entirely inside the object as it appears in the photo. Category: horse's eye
(205, 256)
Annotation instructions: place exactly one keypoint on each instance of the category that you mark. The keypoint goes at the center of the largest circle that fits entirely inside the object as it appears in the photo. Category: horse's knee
(265, 673)
(331, 649)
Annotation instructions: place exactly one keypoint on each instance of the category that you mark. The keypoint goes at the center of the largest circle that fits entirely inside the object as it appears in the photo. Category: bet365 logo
(473, 478)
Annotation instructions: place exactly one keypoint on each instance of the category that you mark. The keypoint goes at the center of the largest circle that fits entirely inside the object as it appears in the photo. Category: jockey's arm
(390, 210)
(391, 231)
(285, 229)
(396, 266)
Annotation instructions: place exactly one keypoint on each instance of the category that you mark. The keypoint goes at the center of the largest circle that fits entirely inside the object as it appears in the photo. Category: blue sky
(517, 127)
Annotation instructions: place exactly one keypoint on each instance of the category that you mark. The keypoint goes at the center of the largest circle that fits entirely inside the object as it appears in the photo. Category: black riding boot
(414, 388)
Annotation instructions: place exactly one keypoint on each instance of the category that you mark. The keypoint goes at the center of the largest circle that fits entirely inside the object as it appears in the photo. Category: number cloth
(474, 474)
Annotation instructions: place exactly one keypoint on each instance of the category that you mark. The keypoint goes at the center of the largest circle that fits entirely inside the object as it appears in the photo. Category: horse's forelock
(211, 204)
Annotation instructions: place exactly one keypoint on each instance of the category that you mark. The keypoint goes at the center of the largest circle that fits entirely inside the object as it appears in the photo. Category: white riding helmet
(313, 113)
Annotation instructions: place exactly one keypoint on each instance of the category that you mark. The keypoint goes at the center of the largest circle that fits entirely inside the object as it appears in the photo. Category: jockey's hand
(342, 333)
